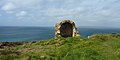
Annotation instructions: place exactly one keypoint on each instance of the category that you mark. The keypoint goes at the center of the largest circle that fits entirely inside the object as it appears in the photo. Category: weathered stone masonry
(66, 28)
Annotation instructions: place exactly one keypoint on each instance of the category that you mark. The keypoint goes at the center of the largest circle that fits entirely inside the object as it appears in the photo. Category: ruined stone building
(66, 28)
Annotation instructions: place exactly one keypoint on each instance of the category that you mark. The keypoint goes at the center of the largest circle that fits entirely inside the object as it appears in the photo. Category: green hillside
(96, 47)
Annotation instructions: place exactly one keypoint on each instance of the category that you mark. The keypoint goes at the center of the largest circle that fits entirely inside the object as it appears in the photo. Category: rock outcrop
(66, 28)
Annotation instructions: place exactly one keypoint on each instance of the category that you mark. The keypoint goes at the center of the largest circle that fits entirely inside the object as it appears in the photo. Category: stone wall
(66, 28)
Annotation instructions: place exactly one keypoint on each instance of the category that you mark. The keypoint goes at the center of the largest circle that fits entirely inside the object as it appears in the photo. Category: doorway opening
(66, 30)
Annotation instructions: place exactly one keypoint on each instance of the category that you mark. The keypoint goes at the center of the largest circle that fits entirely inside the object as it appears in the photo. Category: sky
(99, 13)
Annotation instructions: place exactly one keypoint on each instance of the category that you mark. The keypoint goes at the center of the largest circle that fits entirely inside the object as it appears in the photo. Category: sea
(26, 34)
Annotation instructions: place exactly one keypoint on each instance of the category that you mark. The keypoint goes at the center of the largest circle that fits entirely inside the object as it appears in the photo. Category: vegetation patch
(96, 47)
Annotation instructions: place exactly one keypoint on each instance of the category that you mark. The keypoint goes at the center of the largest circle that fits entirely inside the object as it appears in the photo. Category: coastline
(93, 48)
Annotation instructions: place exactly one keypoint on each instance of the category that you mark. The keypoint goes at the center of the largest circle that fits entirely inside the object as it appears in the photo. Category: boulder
(66, 28)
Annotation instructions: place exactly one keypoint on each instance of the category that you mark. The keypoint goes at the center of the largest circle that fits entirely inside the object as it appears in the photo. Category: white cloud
(104, 13)
(26, 3)
(82, 11)
(21, 13)
(58, 12)
(8, 7)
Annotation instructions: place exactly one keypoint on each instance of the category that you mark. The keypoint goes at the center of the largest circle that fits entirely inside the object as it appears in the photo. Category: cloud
(21, 13)
(24, 15)
(8, 7)
(63, 12)
(26, 3)
(83, 12)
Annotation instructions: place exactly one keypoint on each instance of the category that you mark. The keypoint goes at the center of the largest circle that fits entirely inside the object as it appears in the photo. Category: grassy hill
(96, 47)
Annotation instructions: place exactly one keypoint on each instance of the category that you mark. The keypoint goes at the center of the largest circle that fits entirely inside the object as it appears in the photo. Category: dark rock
(10, 44)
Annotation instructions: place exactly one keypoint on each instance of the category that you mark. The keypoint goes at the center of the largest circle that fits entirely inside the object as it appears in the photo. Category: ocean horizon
(20, 33)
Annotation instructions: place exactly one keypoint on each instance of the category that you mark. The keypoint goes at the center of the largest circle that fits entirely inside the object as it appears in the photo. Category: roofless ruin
(66, 28)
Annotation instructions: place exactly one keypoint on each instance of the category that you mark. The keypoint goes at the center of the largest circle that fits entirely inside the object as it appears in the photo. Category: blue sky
(103, 13)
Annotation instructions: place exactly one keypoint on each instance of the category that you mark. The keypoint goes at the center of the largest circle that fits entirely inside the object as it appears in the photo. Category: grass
(96, 47)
